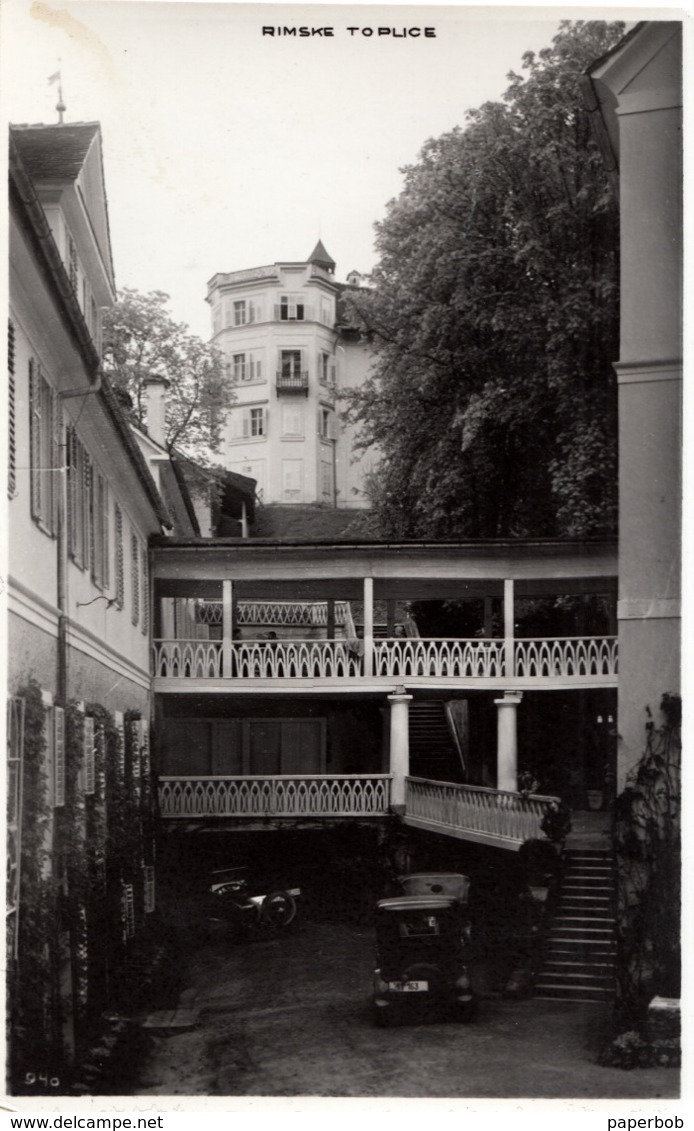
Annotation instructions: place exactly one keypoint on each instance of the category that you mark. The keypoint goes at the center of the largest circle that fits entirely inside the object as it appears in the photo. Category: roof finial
(60, 105)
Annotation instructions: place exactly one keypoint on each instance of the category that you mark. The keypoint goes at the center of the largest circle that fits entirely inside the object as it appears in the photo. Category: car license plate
(408, 987)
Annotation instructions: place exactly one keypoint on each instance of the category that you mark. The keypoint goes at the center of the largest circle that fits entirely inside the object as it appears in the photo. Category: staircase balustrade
(492, 813)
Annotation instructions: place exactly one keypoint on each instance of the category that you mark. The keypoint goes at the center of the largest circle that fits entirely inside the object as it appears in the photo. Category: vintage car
(423, 951)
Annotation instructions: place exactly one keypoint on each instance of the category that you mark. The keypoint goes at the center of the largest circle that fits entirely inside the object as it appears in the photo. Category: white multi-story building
(278, 329)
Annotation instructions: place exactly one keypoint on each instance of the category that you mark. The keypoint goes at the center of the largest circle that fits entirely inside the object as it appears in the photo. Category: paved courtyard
(289, 1016)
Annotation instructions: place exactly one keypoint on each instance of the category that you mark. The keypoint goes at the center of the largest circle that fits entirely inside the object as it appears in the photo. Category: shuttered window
(98, 520)
(58, 757)
(44, 441)
(119, 558)
(79, 501)
(135, 578)
(89, 764)
(144, 624)
(11, 423)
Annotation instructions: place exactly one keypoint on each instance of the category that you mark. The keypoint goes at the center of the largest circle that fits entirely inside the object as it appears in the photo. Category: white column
(507, 740)
(399, 748)
(368, 626)
(509, 629)
(227, 627)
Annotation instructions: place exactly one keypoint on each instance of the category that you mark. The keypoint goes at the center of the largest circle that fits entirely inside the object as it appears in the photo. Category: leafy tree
(493, 319)
(141, 338)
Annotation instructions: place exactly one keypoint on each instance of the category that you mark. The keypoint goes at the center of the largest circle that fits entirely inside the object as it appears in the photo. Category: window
(72, 264)
(99, 531)
(324, 368)
(44, 444)
(290, 364)
(292, 308)
(11, 424)
(78, 500)
(324, 424)
(257, 421)
(239, 367)
(145, 591)
(120, 559)
(135, 578)
(240, 313)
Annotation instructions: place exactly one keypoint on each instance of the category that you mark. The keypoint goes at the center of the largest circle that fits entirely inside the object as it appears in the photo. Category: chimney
(155, 396)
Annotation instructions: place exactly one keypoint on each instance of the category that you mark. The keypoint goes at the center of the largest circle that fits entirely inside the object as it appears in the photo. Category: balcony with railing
(467, 812)
(292, 382)
(416, 661)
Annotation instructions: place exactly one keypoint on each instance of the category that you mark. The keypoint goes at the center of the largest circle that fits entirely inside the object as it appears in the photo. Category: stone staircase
(433, 753)
(579, 962)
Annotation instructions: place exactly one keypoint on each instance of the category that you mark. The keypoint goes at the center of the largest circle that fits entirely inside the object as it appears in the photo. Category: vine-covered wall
(648, 827)
(87, 855)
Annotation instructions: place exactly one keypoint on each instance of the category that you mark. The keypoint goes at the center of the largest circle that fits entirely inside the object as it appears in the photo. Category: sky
(226, 148)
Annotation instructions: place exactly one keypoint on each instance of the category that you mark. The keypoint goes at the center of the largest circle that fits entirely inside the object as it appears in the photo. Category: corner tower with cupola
(278, 329)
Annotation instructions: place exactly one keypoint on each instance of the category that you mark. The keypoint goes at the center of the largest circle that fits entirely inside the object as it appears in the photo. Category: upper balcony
(292, 382)
(333, 656)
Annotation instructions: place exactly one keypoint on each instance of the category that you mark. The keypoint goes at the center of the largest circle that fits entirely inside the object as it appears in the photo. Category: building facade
(82, 507)
(277, 328)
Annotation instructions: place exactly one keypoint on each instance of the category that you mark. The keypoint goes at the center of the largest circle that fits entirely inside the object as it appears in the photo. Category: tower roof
(320, 257)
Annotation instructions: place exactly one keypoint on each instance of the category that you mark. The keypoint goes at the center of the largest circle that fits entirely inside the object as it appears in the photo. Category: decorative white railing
(591, 658)
(276, 613)
(187, 659)
(567, 656)
(415, 656)
(294, 659)
(290, 612)
(304, 795)
(490, 813)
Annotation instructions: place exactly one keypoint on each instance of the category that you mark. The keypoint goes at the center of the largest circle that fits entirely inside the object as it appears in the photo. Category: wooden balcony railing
(302, 795)
(568, 658)
(417, 656)
(476, 813)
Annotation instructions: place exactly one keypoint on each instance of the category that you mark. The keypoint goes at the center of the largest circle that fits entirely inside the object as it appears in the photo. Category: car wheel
(279, 909)
(383, 1018)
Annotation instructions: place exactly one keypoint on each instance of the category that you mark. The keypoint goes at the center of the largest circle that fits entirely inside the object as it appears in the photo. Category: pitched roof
(320, 257)
(55, 152)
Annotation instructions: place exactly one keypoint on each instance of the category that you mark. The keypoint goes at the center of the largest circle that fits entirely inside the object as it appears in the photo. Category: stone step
(572, 993)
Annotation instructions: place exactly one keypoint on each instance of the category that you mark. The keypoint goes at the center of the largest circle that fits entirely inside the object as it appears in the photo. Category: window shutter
(246, 425)
(58, 757)
(259, 369)
(104, 502)
(149, 886)
(251, 368)
(120, 727)
(87, 509)
(145, 590)
(128, 910)
(57, 460)
(11, 426)
(89, 762)
(120, 559)
(135, 578)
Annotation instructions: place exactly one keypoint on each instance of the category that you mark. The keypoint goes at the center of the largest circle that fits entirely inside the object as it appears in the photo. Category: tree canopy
(141, 338)
(494, 319)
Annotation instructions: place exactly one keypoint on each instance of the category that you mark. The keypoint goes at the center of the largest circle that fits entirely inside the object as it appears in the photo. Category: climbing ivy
(32, 974)
(647, 816)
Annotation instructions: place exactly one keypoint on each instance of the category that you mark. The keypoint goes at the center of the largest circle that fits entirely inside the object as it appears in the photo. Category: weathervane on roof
(60, 105)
